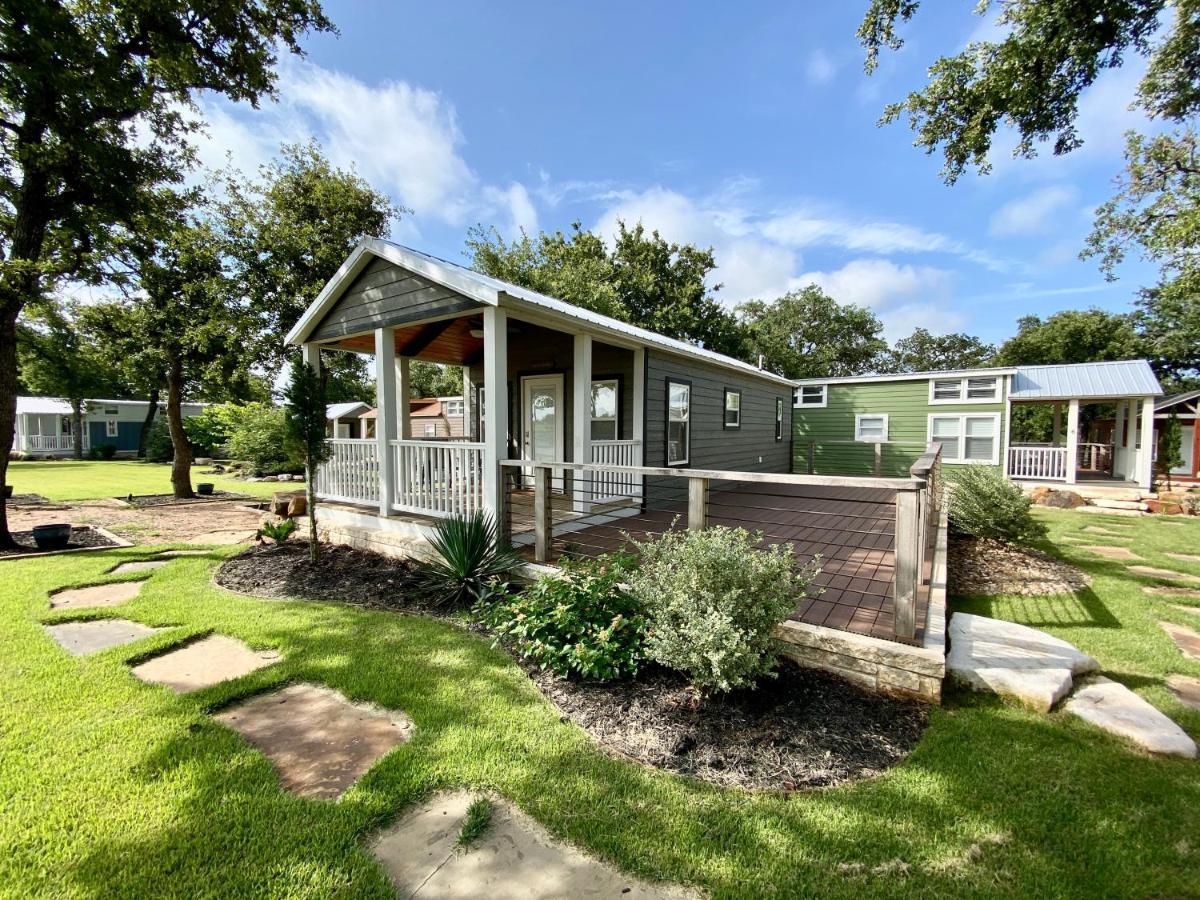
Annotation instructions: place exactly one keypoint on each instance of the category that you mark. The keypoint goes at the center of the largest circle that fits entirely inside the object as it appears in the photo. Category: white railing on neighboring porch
(351, 474)
(52, 442)
(437, 478)
(1096, 457)
(607, 484)
(1046, 463)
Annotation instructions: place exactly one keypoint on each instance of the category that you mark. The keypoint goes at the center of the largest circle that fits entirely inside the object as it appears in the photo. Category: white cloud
(404, 139)
(1034, 214)
(820, 68)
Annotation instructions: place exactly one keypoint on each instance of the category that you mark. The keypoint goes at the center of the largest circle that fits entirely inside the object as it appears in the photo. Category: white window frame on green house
(961, 437)
(801, 402)
(870, 439)
(965, 387)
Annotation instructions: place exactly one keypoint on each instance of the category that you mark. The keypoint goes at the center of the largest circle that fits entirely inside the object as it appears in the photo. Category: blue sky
(748, 127)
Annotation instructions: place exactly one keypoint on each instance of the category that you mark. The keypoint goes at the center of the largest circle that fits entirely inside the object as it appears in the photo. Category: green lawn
(68, 479)
(112, 787)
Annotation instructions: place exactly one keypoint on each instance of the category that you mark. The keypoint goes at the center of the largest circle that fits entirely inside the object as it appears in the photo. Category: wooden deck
(851, 529)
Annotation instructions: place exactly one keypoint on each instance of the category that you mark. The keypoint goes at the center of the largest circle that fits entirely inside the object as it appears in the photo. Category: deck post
(908, 562)
(1072, 438)
(878, 458)
(542, 511)
(385, 413)
(581, 421)
(812, 456)
(1145, 470)
(495, 411)
(697, 503)
(639, 415)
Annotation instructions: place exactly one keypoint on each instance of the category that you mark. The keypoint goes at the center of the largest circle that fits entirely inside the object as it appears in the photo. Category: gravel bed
(82, 537)
(991, 567)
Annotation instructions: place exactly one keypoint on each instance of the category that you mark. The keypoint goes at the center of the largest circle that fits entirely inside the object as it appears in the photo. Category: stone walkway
(1117, 553)
(1185, 639)
(1184, 557)
(514, 858)
(96, 595)
(1039, 669)
(319, 742)
(1186, 689)
(1165, 574)
(141, 565)
(203, 663)
(83, 638)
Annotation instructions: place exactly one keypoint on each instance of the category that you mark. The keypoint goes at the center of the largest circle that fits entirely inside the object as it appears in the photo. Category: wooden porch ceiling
(448, 341)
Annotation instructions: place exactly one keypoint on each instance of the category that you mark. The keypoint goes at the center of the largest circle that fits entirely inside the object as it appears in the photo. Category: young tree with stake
(305, 405)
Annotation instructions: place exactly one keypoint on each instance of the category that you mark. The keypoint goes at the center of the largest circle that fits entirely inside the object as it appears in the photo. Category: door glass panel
(543, 414)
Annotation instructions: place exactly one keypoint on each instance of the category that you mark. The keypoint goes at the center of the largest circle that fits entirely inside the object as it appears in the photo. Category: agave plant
(471, 561)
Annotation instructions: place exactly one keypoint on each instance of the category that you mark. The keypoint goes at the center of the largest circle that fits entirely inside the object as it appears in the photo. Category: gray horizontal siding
(384, 294)
(712, 446)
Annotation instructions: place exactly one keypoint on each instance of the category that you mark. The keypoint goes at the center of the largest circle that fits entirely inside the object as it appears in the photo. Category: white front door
(1185, 450)
(542, 418)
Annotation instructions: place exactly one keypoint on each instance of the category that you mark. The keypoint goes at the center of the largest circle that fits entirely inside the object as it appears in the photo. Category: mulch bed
(148, 500)
(81, 538)
(27, 500)
(985, 566)
(344, 575)
(803, 729)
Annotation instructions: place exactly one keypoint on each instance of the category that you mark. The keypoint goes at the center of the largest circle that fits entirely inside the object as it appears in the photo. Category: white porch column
(1145, 469)
(311, 354)
(1120, 465)
(385, 416)
(581, 420)
(403, 407)
(639, 403)
(1072, 438)
(1056, 429)
(495, 411)
(468, 410)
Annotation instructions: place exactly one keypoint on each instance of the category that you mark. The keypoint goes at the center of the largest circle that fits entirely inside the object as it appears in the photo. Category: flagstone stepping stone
(141, 565)
(174, 554)
(1185, 639)
(1013, 660)
(1185, 557)
(319, 742)
(204, 663)
(1186, 689)
(514, 858)
(1105, 530)
(1122, 553)
(82, 638)
(222, 537)
(96, 595)
(1194, 610)
(1167, 574)
(1118, 710)
(1166, 591)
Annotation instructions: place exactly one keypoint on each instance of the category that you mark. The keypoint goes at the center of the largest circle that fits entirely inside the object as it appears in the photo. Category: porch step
(1112, 503)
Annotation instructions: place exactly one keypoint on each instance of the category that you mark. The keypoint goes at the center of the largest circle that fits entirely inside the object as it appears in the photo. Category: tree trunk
(310, 481)
(77, 429)
(147, 423)
(8, 409)
(181, 463)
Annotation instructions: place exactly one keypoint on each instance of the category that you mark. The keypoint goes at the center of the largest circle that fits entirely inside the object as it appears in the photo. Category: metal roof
(57, 405)
(907, 376)
(487, 290)
(340, 410)
(1170, 401)
(1099, 380)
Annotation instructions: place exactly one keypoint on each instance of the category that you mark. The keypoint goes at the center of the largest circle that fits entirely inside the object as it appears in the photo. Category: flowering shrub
(583, 622)
(712, 601)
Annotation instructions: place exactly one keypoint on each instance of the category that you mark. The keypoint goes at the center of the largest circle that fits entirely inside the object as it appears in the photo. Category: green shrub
(583, 622)
(712, 600)
(278, 531)
(985, 504)
(208, 432)
(103, 451)
(257, 433)
(158, 442)
(471, 561)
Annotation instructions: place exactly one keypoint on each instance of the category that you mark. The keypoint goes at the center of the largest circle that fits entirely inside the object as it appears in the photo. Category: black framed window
(779, 418)
(733, 408)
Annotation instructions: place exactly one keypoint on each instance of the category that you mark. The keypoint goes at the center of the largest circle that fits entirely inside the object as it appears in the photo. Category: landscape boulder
(1045, 496)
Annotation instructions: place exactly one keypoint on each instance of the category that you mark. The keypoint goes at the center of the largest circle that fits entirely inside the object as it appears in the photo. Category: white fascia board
(905, 376)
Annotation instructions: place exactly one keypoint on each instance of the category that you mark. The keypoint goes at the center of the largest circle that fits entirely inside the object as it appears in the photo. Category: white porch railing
(608, 484)
(1047, 463)
(52, 442)
(351, 475)
(438, 478)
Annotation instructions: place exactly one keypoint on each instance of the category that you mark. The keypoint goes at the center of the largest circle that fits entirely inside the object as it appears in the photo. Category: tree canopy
(808, 334)
(1030, 79)
(922, 351)
(1071, 336)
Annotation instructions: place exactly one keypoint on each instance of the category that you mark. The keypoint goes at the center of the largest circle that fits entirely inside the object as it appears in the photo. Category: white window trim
(687, 448)
(962, 397)
(110, 428)
(458, 404)
(858, 427)
(615, 418)
(725, 410)
(799, 403)
(962, 437)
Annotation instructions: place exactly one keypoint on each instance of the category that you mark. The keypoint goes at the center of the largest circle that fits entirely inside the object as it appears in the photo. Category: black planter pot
(52, 537)
(204, 488)
(8, 492)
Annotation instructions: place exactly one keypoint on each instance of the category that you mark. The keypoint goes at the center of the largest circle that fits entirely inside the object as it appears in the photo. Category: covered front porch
(1089, 424)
